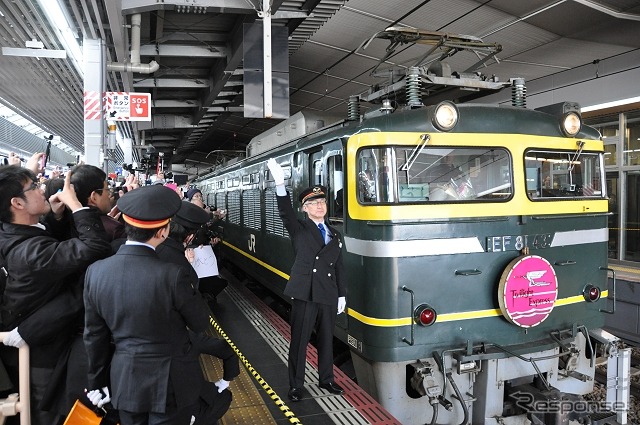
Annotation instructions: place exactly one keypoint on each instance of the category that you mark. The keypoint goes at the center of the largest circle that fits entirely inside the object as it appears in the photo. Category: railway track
(601, 378)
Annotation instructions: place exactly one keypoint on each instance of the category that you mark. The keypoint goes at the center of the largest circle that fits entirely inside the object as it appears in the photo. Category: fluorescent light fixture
(610, 104)
(60, 24)
(34, 53)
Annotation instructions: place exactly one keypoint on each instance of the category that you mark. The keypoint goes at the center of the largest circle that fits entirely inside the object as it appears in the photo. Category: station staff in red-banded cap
(144, 305)
(316, 283)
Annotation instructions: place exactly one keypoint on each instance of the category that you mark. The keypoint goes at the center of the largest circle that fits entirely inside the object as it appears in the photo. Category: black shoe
(332, 387)
(295, 394)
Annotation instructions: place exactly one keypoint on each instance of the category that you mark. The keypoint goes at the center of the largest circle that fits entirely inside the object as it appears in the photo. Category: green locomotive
(475, 248)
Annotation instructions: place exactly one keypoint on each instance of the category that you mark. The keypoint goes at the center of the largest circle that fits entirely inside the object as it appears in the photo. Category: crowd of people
(95, 279)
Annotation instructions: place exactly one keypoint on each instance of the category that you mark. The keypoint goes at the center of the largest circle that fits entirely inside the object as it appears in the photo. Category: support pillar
(94, 84)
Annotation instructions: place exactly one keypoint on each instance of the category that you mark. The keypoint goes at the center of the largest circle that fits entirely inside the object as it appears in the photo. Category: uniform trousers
(172, 416)
(305, 316)
(219, 348)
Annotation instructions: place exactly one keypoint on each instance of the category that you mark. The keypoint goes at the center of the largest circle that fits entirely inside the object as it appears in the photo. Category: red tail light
(591, 293)
(425, 315)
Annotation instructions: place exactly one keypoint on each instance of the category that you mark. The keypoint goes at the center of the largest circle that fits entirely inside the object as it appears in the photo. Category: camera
(207, 232)
(212, 230)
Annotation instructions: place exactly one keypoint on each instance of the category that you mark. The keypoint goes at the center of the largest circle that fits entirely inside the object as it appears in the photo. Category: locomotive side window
(426, 174)
(568, 174)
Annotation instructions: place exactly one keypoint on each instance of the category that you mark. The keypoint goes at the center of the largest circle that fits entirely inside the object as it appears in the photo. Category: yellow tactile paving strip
(247, 406)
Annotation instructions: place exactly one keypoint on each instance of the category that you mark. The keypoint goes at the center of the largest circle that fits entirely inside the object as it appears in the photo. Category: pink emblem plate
(528, 291)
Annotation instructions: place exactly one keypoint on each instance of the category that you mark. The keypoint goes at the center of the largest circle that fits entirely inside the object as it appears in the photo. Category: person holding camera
(208, 233)
(42, 296)
(316, 283)
(214, 400)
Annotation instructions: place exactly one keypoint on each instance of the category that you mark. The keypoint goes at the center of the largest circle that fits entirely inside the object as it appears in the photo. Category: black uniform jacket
(317, 274)
(41, 271)
(145, 304)
(173, 251)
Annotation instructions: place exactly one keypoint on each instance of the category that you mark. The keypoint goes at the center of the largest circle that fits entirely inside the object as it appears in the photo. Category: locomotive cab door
(326, 168)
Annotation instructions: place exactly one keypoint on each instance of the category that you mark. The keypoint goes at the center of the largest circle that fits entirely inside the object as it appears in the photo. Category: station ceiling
(198, 93)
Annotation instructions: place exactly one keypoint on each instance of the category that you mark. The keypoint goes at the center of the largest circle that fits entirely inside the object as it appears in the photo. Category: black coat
(172, 251)
(144, 304)
(43, 282)
(317, 273)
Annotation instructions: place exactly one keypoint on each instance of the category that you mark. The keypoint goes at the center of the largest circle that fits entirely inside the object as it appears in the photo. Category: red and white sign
(92, 105)
(126, 106)
(527, 291)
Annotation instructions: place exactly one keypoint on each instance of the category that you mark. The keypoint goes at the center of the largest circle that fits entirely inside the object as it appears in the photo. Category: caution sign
(124, 106)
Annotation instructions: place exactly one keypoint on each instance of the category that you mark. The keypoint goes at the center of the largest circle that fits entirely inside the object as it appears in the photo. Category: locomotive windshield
(558, 174)
(409, 175)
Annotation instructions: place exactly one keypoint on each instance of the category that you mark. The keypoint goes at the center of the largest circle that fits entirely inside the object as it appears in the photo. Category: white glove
(276, 171)
(342, 303)
(99, 397)
(13, 339)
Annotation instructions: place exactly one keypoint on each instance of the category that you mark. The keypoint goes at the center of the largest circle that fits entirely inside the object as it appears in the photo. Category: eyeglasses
(320, 201)
(32, 186)
(109, 191)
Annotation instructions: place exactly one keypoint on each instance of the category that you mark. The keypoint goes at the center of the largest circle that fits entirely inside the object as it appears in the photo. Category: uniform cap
(191, 216)
(312, 192)
(149, 207)
(192, 192)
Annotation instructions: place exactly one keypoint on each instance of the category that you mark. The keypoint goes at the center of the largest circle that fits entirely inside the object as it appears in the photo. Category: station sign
(128, 106)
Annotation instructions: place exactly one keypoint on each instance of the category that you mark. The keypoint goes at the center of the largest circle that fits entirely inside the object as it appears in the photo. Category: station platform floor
(261, 340)
(622, 316)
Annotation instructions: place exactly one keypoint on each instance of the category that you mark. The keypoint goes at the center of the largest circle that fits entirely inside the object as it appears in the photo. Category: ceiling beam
(168, 103)
(194, 6)
(180, 51)
(181, 83)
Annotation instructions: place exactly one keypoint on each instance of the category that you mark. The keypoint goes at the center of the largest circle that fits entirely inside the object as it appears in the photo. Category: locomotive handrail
(467, 272)
(613, 272)
(21, 402)
(404, 288)
(565, 263)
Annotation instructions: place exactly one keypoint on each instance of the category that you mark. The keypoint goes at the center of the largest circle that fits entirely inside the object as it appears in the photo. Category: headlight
(445, 116)
(571, 124)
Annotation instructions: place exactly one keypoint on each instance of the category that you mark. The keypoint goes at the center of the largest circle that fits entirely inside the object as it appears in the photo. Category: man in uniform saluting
(315, 284)
(144, 304)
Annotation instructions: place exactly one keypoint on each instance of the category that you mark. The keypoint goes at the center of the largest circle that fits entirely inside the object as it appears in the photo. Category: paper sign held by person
(204, 261)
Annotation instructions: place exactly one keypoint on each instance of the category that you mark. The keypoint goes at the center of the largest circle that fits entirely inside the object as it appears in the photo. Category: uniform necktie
(323, 232)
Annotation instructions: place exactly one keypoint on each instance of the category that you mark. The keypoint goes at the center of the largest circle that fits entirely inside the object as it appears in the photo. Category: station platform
(623, 315)
(261, 340)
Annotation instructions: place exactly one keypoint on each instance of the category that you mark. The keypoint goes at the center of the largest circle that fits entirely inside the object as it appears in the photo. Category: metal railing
(19, 403)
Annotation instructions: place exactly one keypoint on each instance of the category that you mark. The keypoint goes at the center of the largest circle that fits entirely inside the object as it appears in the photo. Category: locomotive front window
(426, 174)
(568, 174)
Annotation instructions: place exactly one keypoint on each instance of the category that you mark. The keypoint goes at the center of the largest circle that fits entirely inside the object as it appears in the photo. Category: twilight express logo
(528, 291)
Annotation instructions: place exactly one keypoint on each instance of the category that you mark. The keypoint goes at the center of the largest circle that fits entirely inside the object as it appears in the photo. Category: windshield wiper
(414, 154)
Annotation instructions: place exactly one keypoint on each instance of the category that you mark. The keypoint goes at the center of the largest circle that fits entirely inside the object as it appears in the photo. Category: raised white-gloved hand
(13, 339)
(342, 303)
(99, 397)
(276, 171)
